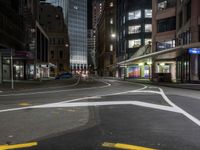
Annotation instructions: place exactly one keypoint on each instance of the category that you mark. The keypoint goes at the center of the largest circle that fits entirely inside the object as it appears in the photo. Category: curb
(167, 85)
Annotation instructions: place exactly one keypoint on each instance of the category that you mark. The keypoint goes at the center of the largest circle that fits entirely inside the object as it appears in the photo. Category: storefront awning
(167, 54)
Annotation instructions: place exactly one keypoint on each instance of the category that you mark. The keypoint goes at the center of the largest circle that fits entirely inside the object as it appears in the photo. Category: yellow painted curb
(124, 146)
(17, 146)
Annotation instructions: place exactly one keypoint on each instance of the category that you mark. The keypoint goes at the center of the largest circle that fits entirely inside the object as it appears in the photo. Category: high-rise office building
(75, 13)
(61, 3)
(77, 28)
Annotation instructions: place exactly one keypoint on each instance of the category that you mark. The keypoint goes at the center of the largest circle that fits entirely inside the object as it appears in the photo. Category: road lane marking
(56, 91)
(189, 116)
(92, 104)
(109, 103)
(125, 146)
(18, 146)
(173, 105)
(74, 100)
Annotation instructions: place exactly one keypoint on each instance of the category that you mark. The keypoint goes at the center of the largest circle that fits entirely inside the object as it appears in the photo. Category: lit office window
(111, 47)
(162, 45)
(148, 27)
(134, 29)
(111, 4)
(134, 15)
(124, 19)
(134, 43)
(148, 13)
(111, 20)
(148, 41)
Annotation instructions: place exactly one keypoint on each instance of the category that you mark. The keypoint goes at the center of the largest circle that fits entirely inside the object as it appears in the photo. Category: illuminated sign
(194, 51)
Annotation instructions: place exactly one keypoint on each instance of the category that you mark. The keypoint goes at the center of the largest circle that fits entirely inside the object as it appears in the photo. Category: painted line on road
(189, 116)
(186, 114)
(125, 146)
(92, 104)
(110, 103)
(56, 91)
(74, 100)
(18, 146)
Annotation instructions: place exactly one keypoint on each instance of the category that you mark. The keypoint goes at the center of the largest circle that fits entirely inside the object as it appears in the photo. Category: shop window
(134, 43)
(134, 29)
(134, 15)
(148, 27)
(148, 13)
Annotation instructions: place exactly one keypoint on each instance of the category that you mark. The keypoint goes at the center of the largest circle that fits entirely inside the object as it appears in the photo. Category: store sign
(194, 51)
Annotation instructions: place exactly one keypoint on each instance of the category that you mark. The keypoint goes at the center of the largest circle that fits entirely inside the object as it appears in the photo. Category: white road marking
(73, 100)
(90, 104)
(106, 103)
(189, 116)
(55, 91)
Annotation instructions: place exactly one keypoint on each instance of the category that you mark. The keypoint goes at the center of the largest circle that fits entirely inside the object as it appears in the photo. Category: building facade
(175, 42)
(188, 36)
(52, 20)
(134, 28)
(77, 28)
(27, 39)
(91, 51)
(106, 39)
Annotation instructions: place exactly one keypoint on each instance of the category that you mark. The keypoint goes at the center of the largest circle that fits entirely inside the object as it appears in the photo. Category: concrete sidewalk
(190, 86)
(31, 84)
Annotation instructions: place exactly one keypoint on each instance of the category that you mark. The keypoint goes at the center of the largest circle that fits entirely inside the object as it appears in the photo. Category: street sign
(194, 51)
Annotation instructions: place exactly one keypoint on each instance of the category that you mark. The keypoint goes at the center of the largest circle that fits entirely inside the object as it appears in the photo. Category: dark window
(180, 19)
(111, 59)
(52, 54)
(199, 33)
(189, 10)
(61, 68)
(61, 54)
(168, 24)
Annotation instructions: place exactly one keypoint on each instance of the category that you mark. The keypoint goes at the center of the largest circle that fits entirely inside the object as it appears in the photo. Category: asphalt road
(86, 115)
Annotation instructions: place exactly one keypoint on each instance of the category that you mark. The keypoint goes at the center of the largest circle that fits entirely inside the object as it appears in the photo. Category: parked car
(65, 75)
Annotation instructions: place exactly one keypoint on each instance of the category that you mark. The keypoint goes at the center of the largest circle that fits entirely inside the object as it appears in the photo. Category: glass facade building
(61, 3)
(77, 28)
